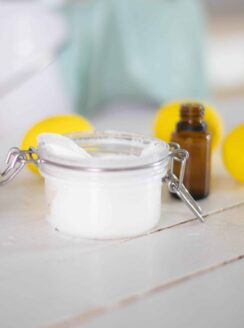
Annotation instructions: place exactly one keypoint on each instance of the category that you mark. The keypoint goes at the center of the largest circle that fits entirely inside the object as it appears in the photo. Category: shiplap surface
(49, 280)
(209, 300)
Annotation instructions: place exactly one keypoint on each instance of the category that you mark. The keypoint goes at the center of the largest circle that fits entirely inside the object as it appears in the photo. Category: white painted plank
(52, 285)
(211, 300)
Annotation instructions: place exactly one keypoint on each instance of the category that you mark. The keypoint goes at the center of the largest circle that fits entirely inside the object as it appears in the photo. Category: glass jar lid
(109, 151)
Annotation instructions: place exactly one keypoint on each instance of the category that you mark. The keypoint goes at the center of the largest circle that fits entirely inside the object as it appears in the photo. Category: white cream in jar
(111, 189)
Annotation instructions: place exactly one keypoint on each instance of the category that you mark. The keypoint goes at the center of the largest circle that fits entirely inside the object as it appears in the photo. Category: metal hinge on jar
(175, 184)
(15, 161)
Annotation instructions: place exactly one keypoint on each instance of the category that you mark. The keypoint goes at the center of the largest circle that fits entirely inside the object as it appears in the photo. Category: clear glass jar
(114, 194)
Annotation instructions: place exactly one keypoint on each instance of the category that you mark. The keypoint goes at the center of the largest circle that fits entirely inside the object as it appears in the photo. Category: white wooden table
(183, 274)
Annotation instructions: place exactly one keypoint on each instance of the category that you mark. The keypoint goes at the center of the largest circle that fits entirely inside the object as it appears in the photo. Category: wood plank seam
(93, 313)
(122, 241)
(239, 204)
(207, 215)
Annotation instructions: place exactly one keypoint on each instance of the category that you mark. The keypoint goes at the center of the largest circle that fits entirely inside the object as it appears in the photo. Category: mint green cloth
(138, 50)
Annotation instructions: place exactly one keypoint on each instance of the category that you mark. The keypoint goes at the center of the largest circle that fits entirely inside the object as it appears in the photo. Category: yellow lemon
(66, 123)
(168, 115)
(233, 152)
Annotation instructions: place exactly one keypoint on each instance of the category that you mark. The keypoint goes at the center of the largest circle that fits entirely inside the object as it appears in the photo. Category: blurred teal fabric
(133, 50)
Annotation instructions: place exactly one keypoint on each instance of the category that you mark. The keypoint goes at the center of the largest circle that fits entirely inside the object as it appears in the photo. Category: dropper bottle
(192, 135)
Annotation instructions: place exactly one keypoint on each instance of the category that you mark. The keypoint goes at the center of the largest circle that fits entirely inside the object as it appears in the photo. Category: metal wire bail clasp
(16, 160)
(175, 184)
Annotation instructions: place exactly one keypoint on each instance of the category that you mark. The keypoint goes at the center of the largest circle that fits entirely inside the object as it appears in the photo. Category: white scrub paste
(91, 190)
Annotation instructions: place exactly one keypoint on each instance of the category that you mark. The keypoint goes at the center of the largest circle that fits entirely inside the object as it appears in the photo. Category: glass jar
(116, 193)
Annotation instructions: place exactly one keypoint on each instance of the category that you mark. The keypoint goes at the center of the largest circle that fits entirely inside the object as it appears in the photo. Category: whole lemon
(66, 123)
(167, 117)
(233, 152)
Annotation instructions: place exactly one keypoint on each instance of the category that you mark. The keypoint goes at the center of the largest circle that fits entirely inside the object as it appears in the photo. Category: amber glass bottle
(192, 135)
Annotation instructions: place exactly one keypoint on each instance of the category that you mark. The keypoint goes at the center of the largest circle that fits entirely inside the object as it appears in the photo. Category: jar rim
(112, 151)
